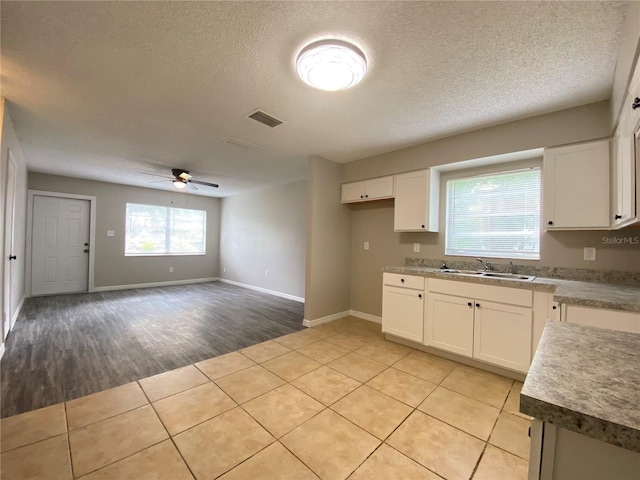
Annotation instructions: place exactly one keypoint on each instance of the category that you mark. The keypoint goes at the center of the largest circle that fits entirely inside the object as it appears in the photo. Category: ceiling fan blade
(160, 181)
(215, 185)
(192, 186)
(156, 175)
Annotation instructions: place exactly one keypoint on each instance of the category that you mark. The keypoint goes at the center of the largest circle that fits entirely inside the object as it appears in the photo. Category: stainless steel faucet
(510, 267)
(485, 263)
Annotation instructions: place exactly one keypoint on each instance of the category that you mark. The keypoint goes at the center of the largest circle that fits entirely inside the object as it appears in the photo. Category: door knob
(12, 257)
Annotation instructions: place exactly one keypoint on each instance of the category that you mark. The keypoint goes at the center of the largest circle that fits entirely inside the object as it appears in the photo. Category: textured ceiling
(104, 90)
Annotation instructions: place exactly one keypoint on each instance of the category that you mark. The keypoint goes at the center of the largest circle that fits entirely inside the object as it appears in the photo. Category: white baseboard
(327, 319)
(1, 350)
(16, 313)
(263, 290)
(111, 288)
(365, 316)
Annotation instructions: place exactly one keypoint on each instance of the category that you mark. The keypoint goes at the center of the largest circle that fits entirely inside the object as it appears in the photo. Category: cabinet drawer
(511, 296)
(406, 281)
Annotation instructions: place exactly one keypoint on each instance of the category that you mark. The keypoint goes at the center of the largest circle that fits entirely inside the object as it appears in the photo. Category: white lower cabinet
(449, 323)
(403, 306)
(488, 323)
(602, 318)
(502, 335)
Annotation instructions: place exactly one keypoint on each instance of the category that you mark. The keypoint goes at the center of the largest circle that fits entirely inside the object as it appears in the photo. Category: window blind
(157, 230)
(496, 215)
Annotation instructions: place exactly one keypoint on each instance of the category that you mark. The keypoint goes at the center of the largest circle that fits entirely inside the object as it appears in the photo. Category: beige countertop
(590, 294)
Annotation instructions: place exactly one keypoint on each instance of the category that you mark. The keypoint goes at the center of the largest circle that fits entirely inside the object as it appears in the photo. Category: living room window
(495, 215)
(157, 230)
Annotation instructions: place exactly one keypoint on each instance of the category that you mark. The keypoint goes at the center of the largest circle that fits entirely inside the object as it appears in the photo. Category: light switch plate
(590, 254)
(366, 245)
(111, 233)
(416, 247)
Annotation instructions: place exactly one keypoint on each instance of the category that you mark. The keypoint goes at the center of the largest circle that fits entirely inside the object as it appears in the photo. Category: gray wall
(265, 229)
(374, 222)
(9, 142)
(112, 268)
(327, 282)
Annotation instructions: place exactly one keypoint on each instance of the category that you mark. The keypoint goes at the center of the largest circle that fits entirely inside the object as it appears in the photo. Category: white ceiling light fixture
(180, 183)
(331, 65)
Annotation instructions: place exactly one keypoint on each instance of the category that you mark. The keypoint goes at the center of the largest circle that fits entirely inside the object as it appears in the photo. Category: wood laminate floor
(67, 346)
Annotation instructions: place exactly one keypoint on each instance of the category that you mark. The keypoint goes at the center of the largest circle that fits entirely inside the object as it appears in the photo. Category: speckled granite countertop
(587, 380)
(590, 294)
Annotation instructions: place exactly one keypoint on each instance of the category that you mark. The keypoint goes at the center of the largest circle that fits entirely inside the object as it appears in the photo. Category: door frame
(8, 245)
(92, 233)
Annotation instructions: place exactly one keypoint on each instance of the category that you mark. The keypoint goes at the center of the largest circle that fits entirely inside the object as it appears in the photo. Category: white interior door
(60, 245)
(9, 220)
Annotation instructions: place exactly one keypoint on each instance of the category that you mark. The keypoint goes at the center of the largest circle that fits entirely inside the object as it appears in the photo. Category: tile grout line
(68, 433)
(170, 437)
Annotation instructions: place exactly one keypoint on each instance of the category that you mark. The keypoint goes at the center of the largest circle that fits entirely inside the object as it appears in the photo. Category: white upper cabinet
(623, 201)
(576, 191)
(633, 99)
(367, 190)
(416, 201)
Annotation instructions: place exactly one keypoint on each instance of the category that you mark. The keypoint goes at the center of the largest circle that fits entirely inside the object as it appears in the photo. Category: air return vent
(237, 142)
(264, 118)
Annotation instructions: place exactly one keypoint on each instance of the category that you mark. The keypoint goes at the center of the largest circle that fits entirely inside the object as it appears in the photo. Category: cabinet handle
(555, 307)
(470, 304)
(366, 196)
(422, 226)
(12, 257)
(419, 295)
(617, 217)
(361, 196)
(477, 305)
(550, 222)
(636, 103)
(402, 280)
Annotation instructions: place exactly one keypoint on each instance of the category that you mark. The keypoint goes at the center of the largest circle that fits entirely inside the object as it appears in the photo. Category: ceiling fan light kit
(180, 183)
(182, 179)
(331, 65)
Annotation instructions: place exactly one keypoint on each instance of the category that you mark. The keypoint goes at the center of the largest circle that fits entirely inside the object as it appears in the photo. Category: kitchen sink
(490, 274)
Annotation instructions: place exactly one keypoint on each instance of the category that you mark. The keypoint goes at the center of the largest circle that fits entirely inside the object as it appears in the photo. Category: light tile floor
(333, 402)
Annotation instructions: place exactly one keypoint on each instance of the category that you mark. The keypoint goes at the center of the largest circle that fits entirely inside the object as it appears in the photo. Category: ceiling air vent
(264, 118)
(235, 141)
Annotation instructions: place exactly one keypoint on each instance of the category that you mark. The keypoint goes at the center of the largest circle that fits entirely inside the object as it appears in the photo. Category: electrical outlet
(170, 269)
(590, 254)
(266, 273)
(366, 245)
(416, 247)
(224, 270)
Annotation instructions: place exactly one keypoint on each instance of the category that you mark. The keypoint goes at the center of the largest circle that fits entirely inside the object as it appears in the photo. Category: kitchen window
(496, 215)
(156, 230)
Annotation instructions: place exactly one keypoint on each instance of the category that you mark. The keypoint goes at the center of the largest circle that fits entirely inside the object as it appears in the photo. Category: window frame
(167, 234)
(494, 169)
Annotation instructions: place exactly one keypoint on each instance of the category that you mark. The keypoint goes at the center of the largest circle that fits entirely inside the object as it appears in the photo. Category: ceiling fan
(181, 179)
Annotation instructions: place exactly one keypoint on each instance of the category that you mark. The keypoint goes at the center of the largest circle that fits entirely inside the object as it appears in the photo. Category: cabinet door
(416, 204)
(634, 97)
(378, 188)
(603, 318)
(624, 174)
(502, 335)
(576, 186)
(449, 323)
(352, 192)
(402, 312)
